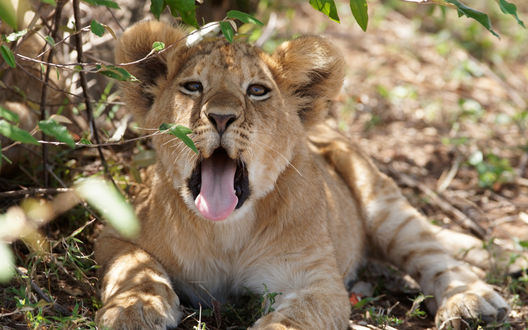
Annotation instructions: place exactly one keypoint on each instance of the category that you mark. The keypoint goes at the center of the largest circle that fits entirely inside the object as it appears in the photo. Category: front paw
(466, 305)
(139, 312)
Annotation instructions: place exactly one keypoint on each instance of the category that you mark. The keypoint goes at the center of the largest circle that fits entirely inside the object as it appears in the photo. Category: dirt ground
(439, 104)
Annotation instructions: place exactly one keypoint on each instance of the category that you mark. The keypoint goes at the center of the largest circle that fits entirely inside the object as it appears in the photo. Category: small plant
(382, 317)
(493, 171)
(201, 325)
(415, 311)
(267, 300)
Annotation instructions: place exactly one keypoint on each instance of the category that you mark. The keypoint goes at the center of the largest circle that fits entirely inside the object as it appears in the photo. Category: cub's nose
(221, 121)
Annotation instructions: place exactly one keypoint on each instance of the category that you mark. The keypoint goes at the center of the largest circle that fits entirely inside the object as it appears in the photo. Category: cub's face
(227, 95)
(248, 111)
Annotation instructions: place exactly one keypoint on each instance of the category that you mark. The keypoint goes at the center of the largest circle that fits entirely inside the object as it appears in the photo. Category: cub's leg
(135, 289)
(312, 295)
(405, 238)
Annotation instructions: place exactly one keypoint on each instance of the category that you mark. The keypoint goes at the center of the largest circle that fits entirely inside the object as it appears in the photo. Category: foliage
(493, 171)
(111, 204)
(180, 132)
(8, 56)
(359, 9)
(8, 13)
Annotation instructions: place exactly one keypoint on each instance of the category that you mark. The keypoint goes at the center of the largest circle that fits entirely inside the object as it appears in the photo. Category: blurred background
(438, 102)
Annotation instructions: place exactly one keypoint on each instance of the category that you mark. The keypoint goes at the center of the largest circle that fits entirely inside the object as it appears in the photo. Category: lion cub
(275, 198)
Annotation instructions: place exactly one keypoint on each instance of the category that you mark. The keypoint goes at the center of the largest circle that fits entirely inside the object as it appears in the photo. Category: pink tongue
(217, 198)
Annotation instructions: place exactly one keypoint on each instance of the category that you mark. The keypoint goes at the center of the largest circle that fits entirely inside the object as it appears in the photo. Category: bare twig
(86, 28)
(82, 145)
(447, 177)
(64, 66)
(44, 91)
(115, 18)
(84, 84)
(62, 91)
(458, 216)
(80, 63)
(33, 191)
(46, 83)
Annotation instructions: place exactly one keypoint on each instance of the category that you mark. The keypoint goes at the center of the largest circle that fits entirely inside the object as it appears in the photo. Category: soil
(440, 110)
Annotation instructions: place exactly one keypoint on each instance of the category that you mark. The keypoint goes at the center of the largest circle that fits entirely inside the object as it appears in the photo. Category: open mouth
(219, 185)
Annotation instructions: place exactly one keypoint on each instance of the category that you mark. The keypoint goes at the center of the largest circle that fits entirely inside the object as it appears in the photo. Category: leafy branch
(359, 9)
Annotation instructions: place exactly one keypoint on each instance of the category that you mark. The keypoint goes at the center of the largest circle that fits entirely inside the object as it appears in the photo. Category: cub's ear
(134, 45)
(311, 70)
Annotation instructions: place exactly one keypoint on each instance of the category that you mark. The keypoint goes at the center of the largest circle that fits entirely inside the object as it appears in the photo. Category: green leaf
(106, 3)
(509, 8)
(227, 30)
(180, 132)
(11, 116)
(16, 134)
(363, 302)
(52, 128)
(8, 56)
(50, 2)
(7, 262)
(15, 35)
(186, 9)
(97, 28)
(3, 157)
(524, 244)
(243, 17)
(359, 9)
(50, 40)
(156, 7)
(116, 72)
(109, 29)
(327, 7)
(106, 199)
(480, 17)
(158, 45)
(8, 13)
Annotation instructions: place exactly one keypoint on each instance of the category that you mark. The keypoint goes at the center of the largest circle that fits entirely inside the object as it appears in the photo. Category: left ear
(311, 70)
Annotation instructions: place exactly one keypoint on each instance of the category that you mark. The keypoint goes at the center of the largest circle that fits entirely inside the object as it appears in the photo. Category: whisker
(171, 140)
(281, 155)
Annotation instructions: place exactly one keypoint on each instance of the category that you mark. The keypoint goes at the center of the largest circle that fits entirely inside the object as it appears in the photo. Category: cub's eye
(258, 92)
(192, 87)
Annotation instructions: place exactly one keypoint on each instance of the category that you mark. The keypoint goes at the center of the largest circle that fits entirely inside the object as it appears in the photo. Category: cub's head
(248, 110)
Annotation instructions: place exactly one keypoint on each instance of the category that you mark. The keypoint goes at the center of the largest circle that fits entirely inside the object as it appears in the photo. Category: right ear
(135, 43)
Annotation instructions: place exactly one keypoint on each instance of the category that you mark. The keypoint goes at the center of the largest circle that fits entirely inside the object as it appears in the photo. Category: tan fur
(317, 203)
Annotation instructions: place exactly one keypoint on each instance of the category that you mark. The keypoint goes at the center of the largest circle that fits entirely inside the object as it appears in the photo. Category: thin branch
(33, 191)
(59, 90)
(115, 18)
(84, 85)
(83, 145)
(44, 91)
(86, 28)
(457, 216)
(21, 67)
(66, 66)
